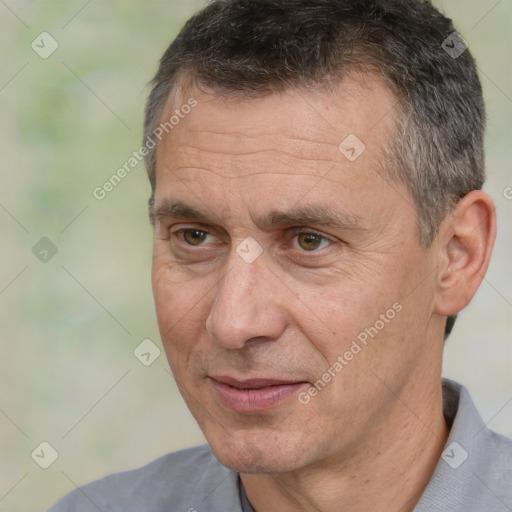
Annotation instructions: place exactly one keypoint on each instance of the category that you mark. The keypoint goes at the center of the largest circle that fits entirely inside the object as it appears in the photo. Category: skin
(371, 438)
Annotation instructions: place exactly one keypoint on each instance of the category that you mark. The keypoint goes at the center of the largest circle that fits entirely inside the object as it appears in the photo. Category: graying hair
(250, 48)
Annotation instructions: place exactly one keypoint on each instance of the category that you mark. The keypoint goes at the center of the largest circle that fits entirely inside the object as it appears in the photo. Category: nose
(246, 306)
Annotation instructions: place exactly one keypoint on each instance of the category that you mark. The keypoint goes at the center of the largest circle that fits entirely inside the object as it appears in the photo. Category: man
(316, 168)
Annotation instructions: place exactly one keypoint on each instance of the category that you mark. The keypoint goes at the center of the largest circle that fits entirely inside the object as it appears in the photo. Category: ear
(466, 240)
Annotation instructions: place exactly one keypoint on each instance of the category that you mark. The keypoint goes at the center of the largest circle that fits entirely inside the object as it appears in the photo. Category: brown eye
(194, 236)
(311, 241)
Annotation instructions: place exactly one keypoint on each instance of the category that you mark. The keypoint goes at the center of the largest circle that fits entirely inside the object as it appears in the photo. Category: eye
(194, 236)
(309, 241)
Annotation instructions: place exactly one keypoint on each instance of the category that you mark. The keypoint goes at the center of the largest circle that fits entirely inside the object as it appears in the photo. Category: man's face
(278, 254)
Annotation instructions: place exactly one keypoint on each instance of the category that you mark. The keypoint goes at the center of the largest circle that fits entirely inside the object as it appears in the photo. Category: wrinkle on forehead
(260, 135)
(250, 174)
(239, 165)
(233, 158)
(234, 152)
(296, 133)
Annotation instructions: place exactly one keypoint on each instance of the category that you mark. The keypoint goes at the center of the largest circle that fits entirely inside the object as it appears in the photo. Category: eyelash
(180, 232)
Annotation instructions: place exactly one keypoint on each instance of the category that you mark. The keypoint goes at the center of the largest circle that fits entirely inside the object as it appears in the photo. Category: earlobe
(469, 232)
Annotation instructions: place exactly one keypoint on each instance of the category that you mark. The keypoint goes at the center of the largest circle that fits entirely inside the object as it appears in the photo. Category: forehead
(278, 149)
(307, 125)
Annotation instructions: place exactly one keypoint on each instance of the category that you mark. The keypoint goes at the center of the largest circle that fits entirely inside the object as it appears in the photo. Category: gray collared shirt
(474, 474)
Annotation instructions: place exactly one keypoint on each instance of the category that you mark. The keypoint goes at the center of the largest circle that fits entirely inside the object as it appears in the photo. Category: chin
(264, 456)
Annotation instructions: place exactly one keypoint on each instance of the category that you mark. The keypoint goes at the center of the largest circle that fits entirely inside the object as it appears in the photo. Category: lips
(253, 395)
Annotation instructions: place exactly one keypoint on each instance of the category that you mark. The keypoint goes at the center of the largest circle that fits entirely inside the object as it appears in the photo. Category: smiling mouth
(253, 395)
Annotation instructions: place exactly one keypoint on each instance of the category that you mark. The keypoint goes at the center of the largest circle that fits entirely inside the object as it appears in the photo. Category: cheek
(181, 306)
(332, 319)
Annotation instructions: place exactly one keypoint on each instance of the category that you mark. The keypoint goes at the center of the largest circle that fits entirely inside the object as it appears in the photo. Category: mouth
(254, 395)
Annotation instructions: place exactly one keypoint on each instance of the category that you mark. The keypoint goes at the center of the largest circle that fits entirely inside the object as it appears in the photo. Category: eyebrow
(318, 215)
(176, 210)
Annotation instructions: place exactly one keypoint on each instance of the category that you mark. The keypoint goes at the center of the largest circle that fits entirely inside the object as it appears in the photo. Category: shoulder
(475, 469)
(488, 453)
(500, 453)
(173, 482)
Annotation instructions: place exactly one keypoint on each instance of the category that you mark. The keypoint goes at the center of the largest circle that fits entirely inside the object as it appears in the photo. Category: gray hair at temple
(244, 49)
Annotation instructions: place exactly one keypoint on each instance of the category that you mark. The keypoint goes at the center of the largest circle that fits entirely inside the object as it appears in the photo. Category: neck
(387, 472)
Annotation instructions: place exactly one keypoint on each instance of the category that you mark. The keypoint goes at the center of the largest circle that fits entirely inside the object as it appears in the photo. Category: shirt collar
(462, 476)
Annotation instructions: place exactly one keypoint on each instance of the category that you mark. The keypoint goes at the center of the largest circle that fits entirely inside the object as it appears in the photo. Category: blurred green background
(68, 375)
